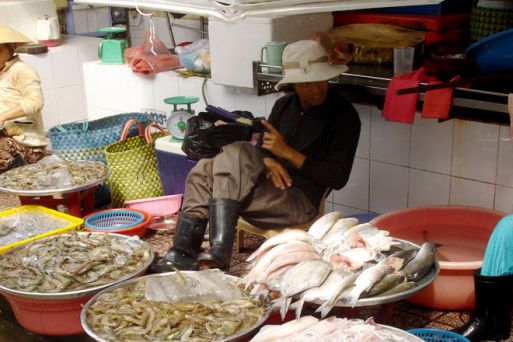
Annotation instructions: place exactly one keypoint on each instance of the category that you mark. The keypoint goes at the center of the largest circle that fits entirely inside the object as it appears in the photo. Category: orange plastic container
(48, 317)
(461, 234)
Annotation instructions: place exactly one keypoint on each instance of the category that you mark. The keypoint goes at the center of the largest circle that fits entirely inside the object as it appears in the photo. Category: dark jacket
(327, 135)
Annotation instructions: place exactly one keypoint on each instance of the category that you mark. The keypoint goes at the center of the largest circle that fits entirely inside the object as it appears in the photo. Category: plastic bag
(151, 57)
(195, 57)
(203, 139)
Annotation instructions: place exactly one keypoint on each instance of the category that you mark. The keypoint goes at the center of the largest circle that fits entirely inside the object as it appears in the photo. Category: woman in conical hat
(22, 138)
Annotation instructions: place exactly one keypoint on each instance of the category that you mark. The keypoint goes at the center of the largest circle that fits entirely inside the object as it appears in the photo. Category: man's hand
(277, 173)
(275, 143)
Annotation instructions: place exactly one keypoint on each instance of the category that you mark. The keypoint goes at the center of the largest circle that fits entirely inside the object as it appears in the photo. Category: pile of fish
(189, 306)
(332, 329)
(24, 224)
(53, 173)
(70, 262)
(337, 260)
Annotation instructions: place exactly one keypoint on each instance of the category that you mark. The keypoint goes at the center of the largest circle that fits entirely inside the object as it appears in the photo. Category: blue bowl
(493, 53)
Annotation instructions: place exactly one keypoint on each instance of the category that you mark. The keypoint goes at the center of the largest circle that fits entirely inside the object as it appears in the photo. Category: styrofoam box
(235, 45)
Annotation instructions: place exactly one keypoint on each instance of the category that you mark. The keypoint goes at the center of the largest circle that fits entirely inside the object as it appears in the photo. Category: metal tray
(421, 284)
(241, 336)
(83, 292)
(51, 192)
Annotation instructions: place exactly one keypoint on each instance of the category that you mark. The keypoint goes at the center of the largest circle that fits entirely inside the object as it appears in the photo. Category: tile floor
(402, 314)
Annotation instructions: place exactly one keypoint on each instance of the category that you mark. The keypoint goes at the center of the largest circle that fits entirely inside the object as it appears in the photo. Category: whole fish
(420, 265)
(288, 259)
(322, 292)
(405, 286)
(301, 277)
(389, 281)
(320, 227)
(286, 236)
(265, 259)
(366, 280)
(346, 281)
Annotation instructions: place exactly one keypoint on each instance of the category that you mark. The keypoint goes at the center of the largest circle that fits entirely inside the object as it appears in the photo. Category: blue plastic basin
(493, 53)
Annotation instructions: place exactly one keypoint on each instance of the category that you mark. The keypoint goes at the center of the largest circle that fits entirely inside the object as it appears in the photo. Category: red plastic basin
(48, 317)
(462, 233)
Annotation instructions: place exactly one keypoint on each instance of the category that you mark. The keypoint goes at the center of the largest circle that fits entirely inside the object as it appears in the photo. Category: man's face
(5, 55)
(312, 93)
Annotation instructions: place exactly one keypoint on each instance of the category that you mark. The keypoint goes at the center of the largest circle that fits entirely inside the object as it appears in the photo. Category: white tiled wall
(60, 71)
(397, 165)
(429, 163)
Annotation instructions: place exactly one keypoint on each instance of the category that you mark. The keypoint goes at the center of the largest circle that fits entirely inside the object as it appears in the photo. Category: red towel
(402, 108)
(437, 103)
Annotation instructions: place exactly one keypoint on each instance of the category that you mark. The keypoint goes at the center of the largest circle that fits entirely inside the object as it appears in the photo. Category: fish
(301, 277)
(346, 281)
(277, 332)
(317, 331)
(405, 286)
(334, 234)
(288, 259)
(420, 265)
(351, 259)
(366, 280)
(406, 254)
(388, 282)
(321, 226)
(286, 236)
(265, 259)
(347, 236)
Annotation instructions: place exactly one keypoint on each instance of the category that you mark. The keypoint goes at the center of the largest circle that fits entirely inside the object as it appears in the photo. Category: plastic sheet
(151, 57)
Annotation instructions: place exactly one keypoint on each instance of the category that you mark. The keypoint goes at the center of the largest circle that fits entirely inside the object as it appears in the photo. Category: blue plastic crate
(438, 335)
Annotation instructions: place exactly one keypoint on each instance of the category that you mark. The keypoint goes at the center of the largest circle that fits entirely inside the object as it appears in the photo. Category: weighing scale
(111, 50)
(177, 121)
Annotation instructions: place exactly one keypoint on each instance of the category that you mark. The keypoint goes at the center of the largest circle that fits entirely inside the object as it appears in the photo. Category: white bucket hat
(306, 61)
(8, 35)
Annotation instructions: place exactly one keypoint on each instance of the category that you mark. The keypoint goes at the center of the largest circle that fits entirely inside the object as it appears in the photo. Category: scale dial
(177, 122)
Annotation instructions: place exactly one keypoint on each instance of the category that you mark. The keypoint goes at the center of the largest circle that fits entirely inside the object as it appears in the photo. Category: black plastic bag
(204, 140)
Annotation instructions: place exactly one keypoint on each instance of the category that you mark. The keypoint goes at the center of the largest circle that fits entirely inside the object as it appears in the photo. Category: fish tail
(326, 307)
(285, 304)
(298, 306)
(353, 296)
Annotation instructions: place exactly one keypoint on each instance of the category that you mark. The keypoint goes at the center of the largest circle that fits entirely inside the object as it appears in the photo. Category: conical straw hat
(8, 35)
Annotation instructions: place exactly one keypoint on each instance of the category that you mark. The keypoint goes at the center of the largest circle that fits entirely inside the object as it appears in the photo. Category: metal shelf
(231, 10)
(467, 103)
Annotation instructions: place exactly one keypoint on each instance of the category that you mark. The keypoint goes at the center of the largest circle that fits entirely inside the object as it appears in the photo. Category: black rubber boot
(183, 255)
(491, 319)
(224, 214)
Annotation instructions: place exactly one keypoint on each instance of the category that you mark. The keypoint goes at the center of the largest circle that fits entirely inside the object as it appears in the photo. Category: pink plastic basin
(48, 317)
(162, 206)
(461, 234)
